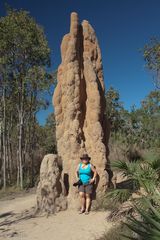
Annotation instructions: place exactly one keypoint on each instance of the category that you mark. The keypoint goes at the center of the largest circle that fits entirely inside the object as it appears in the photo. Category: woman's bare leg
(88, 202)
(83, 201)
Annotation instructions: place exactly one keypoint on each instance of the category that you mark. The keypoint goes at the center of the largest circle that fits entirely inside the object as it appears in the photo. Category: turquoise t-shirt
(85, 174)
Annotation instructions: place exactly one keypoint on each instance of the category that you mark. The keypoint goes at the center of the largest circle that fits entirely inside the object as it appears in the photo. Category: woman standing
(84, 172)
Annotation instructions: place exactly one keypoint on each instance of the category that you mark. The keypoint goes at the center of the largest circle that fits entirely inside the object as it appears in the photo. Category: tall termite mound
(79, 103)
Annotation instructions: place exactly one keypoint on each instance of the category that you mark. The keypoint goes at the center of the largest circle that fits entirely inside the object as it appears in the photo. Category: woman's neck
(85, 164)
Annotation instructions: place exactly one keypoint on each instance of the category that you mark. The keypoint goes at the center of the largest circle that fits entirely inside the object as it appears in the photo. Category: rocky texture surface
(79, 104)
(50, 195)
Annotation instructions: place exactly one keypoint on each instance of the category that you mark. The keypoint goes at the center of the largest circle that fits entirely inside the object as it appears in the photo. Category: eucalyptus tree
(114, 107)
(151, 53)
(24, 58)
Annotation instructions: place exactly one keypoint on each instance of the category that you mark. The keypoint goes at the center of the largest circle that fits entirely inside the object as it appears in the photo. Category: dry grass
(12, 192)
(115, 233)
(103, 202)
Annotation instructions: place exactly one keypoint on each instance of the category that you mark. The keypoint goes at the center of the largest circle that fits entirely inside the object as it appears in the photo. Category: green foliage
(138, 130)
(113, 108)
(48, 141)
(128, 169)
(103, 202)
(147, 226)
(24, 62)
(151, 53)
(22, 41)
(119, 195)
(115, 233)
(145, 176)
(153, 159)
(135, 132)
(139, 127)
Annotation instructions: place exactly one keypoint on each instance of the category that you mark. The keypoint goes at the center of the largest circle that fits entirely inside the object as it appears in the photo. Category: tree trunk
(10, 150)
(20, 138)
(18, 174)
(20, 150)
(4, 137)
(1, 130)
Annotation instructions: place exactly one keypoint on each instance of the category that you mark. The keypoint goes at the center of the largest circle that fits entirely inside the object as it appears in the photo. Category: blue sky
(123, 27)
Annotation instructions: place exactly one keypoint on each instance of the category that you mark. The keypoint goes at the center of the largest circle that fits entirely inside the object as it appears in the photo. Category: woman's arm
(94, 173)
(76, 173)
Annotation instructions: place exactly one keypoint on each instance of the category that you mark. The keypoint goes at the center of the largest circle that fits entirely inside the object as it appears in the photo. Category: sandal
(81, 211)
(86, 212)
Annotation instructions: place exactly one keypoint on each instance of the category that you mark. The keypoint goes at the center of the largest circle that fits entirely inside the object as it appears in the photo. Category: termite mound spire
(79, 103)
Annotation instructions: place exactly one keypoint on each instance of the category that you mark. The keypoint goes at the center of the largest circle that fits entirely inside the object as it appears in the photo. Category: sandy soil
(18, 223)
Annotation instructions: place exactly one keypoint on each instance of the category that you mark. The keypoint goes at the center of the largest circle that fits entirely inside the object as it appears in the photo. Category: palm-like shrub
(147, 226)
(145, 176)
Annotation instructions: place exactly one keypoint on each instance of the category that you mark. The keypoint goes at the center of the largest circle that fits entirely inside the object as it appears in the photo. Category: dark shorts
(86, 188)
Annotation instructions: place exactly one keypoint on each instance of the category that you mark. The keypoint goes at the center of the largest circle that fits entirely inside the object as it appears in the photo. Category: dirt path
(68, 225)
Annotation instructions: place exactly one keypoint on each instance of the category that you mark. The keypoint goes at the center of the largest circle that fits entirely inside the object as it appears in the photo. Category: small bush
(115, 233)
(104, 202)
